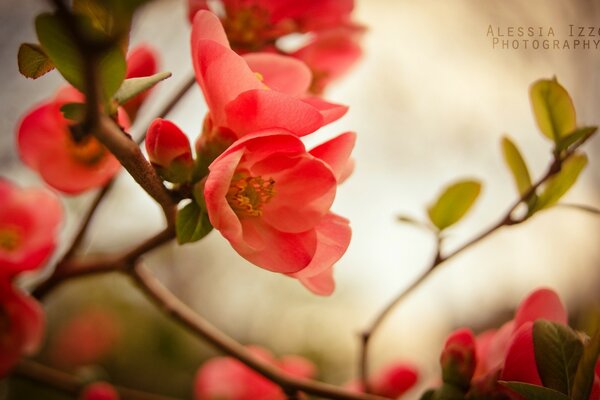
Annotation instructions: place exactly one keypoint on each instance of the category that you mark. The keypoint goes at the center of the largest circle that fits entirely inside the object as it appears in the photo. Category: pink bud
(100, 391)
(169, 150)
(458, 358)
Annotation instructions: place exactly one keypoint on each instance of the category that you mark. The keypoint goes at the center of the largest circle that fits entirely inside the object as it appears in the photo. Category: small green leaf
(558, 350)
(133, 86)
(517, 165)
(73, 111)
(558, 185)
(553, 109)
(454, 203)
(575, 138)
(534, 392)
(62, 50)
(584, 377)
(33, 61)
(192, 223)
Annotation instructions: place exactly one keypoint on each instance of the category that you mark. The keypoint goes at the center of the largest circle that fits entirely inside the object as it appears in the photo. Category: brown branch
(70, 384)
(440, 258)
(180, 312)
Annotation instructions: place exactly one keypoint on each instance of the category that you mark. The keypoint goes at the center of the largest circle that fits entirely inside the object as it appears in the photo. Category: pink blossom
(392, 381)
(99, 391)
(260, 91)
(29, 222)
(226, 378)
(270, 199)
(21, 326)
(47, 145)
(169, 150)
(459, 357)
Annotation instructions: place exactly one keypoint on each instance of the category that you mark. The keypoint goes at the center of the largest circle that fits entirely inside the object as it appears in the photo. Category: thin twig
(180, 312)
(507, 220)
(70, 384)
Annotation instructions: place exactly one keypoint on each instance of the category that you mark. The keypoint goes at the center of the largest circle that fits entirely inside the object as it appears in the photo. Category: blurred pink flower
(21, 326)
(86, 338)
(99, 391)
(225, 378)
(270, 199)
(29, 222)
(392, 381)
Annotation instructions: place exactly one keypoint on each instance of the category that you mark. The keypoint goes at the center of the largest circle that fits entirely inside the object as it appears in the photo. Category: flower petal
(330, 111)
(519, 363)
(281, 73)
(541, 304)
(336, 153)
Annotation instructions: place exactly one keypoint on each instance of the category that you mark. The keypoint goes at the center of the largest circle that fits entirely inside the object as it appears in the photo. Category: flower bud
(458, 358)
(100, 391)
(169, 151)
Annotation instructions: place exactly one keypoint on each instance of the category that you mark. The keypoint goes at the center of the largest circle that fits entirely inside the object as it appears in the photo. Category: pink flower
(29, 221)
(100, 391)
(392, 381)
(225, 378)
(260, 91)
(169, 150)
(255, 25)
(270, 199)
(47, 145)
(142, 61)
(458, 358)
(21, 323)
(86, 338)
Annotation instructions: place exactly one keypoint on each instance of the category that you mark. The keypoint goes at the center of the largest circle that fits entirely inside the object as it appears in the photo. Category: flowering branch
(70, 384)
(507, 220)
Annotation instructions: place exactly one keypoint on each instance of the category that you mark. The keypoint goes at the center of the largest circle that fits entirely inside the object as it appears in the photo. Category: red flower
(142, 61)
(29, 221)
(258, 92)
(392, 381)
(270, 199)
(169, 150)
(459, 357)
(21, 326)
(47, 145)
(226, 378)
(100, 391)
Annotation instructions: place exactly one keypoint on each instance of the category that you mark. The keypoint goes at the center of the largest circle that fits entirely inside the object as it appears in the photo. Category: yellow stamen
(248, 194)
(87, 150)
(10, 238)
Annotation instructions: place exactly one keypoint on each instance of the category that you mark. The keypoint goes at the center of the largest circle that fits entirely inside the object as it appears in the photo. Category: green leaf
(133, 86)
(33, 61)
(534, 392)
(73, 111)
(517, 165)
(558, 350)
(553, 109)
(62, 50)
(575, 138)
(454, 203)
(559, 184)
(192, 223)
(584, 377)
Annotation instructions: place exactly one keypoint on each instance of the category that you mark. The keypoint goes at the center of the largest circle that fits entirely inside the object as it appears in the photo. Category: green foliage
(534, 392)
(575, 138)
(584, 377)
(134, 86)
(558, 350)
(517, 165)
(73, 111)
(33, 61)
(192, 223)
(64, 53)
(553, 109)
(455, 201)
(559, 184)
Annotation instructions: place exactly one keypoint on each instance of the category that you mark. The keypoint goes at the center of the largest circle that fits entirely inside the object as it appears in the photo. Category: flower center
(248, 194)
(10, 238)
(87, 150)
(247, 27)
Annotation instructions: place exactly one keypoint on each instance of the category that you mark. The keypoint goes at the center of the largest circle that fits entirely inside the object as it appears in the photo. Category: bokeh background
(429, 101)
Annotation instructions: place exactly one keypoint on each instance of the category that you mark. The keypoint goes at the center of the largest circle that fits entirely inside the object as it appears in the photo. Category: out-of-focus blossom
(392, 381)
(261, 91)
(225, 378)
(69, 164)
(86, 338)
(458, 358)
(21, 326)
(99, 391)
(29, 222)
(257, 25)
(270, 199)
(142, 61)
(169, 150)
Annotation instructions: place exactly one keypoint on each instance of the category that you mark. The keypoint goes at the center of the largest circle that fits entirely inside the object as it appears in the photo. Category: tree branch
(70, 384)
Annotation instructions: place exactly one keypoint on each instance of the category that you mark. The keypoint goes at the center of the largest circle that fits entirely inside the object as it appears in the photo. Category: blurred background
(430, 101)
